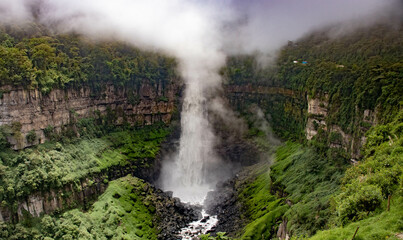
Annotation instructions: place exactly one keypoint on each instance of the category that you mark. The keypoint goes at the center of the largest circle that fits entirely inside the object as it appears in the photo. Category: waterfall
(192, 171)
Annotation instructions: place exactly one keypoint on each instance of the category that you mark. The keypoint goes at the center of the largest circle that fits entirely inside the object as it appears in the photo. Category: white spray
(190, 173)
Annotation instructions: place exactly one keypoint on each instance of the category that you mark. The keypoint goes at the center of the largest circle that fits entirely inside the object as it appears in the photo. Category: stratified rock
(35, 111)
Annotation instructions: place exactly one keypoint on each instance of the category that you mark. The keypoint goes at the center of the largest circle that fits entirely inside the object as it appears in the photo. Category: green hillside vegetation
(298, 176)
(262, 209)
(358, 70)
(53, 165)
(314, 194)
(383, 225)
(362, 201)
(361, 69)
(45, 61)
(120, 213)
(310, 184)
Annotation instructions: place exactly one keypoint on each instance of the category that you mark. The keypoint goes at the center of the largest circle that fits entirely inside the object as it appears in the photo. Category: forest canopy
(43, 60)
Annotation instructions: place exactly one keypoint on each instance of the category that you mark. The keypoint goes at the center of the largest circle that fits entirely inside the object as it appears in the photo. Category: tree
(15, 67)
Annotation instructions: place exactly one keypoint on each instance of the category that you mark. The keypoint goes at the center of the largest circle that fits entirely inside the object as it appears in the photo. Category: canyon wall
(28, 111)
(292, 114)
(283, 108)
(295, 115)
(317, 119)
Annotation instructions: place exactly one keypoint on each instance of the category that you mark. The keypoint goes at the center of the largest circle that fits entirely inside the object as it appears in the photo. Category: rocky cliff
(283, 108)
(297, 115)
(30, 112)
(318, 119)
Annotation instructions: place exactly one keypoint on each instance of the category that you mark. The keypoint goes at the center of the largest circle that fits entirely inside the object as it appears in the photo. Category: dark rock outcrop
(170, 213)
(224, 203)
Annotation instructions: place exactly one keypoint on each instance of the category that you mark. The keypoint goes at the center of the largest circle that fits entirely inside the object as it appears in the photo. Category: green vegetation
(53, 165)
(122, 212)
(357, 70)
(297, 187)
(322, 195)
(313, 193)
(220, 236)
(308, 181)
(383, 225)
(31, 136)
(378, 176)
(261, 207)
(285, 114)
(45, 61)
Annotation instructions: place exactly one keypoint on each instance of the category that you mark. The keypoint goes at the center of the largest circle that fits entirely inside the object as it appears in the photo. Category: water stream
(202, 226)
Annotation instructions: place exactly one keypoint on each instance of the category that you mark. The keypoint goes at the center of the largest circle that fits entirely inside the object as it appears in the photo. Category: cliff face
(296, 115)
(317, 116)
(41, 203)
(283, 108)
(317, 112)
(29, 111)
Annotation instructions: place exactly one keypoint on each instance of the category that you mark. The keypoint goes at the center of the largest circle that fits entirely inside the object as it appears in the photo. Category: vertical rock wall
(25, 111)
(317, 114)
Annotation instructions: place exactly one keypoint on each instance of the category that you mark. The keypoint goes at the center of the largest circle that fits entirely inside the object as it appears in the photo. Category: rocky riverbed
(203, 226)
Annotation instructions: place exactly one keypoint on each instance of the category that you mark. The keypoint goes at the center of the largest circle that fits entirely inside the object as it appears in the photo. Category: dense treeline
(38, 59)
(363, 69)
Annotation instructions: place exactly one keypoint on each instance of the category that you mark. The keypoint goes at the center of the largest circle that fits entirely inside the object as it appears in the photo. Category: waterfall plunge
(195, 168)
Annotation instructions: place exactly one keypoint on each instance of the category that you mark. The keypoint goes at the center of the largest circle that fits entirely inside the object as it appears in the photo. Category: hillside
(341, 98)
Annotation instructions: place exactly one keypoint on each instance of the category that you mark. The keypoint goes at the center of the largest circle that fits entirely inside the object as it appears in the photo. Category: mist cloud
(266, 25)
(203, 29)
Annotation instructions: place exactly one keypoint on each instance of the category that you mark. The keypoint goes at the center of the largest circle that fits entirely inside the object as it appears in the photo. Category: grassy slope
(133, 217)
(382, 170)
(383, 225)
(298, 175)
(311, 184)
(261, 207)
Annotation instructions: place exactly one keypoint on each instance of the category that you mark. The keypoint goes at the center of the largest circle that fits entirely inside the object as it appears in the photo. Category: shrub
(31, 136)
(49, 132)
(3, 139)
(357, 201)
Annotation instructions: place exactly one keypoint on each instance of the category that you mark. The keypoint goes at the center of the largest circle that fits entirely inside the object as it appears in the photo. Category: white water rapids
(201, 226)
